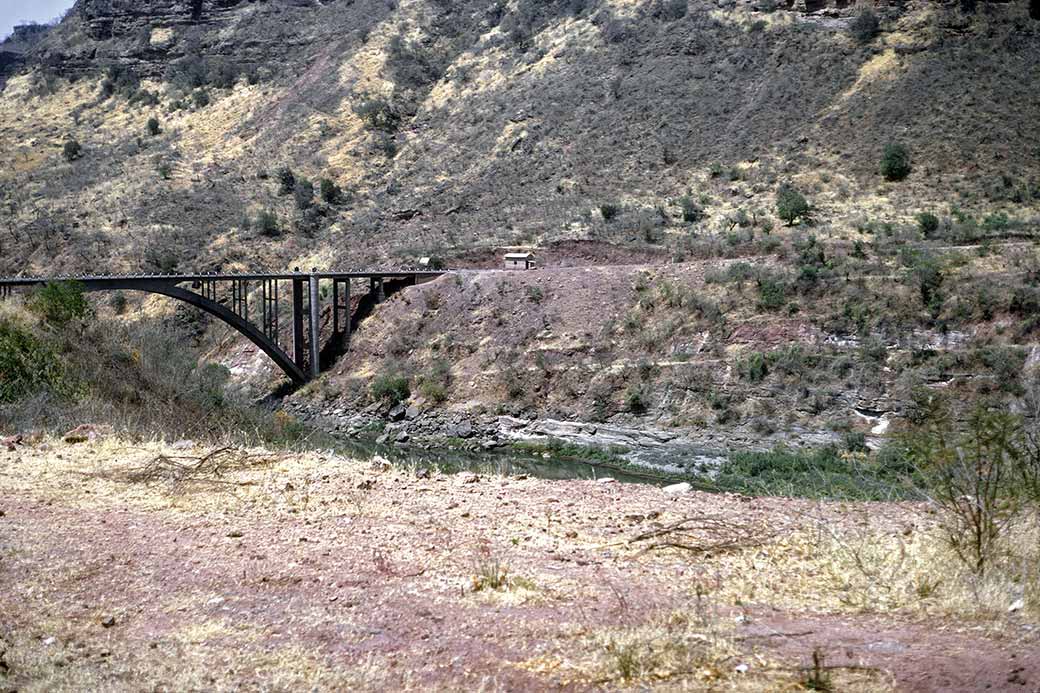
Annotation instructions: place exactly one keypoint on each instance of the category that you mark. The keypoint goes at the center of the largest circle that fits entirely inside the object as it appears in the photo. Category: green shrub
(200, 97)
(609, 211)
(392, 387)
(27, 365)
(434, 384)
(267, 224)
(754, 368)
(118, 302)
(535, 294)
(691, 211)
(791, 205)
(927, 271)
(865, 25)
(286, 180)
(330, 192)
(303, 194)
(928, 224)
(377, 113)
(895, 162)
(153, 126)
(822, 473)
(72, 151)
(59, 303)
(144, 98)
(772, 293)
(635, 401)
(996, 222)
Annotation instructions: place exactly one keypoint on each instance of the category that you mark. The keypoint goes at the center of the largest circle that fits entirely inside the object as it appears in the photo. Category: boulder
(85, 433)
(463, 430)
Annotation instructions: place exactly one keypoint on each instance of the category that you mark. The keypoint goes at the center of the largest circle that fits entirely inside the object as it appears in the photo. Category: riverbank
(680, 452)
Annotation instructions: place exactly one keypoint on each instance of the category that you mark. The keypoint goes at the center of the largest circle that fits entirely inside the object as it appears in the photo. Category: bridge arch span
(244, 327)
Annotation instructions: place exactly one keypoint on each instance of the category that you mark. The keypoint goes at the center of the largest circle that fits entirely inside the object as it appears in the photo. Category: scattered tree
(928, 223)
(286, 180)
(303, 194)
(72, 151)
(895, 162)
(330, 192)
(791, 205)
(153, 126)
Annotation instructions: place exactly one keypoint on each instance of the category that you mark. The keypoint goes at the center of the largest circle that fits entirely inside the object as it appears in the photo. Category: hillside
(654, 135)
(451, 126)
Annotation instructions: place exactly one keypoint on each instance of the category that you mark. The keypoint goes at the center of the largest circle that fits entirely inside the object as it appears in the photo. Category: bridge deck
(181, 278)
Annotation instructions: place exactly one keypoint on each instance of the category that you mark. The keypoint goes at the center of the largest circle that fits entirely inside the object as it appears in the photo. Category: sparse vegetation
(267, 224)
(865, 25)
(392, 387)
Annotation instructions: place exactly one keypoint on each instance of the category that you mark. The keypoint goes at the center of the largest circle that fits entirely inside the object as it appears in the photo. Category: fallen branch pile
(705, 534)
(185, 468)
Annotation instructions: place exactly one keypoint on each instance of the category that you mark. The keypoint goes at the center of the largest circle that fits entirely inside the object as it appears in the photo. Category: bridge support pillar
(341, 325)
(315, 331)
(297, 321)
(376, 287)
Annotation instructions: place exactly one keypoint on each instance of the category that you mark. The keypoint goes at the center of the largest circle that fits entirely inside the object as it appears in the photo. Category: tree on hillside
(895, 162)
(791, 205)
(72, 151)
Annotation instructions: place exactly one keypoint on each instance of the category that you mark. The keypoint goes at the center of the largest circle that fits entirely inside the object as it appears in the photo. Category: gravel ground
(144, 566)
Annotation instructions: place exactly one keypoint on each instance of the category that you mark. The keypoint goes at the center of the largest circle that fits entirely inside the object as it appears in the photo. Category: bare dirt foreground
(124, 570)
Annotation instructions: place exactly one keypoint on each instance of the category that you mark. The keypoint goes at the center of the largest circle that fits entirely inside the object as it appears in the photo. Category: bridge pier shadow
(338, 345)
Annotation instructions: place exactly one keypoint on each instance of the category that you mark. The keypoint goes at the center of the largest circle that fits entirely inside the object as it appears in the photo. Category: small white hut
(519, 261)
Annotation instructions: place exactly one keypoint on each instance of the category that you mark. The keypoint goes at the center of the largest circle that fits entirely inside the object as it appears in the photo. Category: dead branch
(704, 534)
(208, 468)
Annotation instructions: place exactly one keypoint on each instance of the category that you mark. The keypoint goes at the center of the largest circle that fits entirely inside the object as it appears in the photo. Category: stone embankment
(680, 451)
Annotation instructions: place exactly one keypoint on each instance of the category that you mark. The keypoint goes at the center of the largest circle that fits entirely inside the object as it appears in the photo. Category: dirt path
(323, 573)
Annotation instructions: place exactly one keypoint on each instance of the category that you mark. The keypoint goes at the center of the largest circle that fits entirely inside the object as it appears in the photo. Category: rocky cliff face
(147, 36)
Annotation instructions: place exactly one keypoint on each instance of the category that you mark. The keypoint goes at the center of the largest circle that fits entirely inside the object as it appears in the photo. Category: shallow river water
(503, 461)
